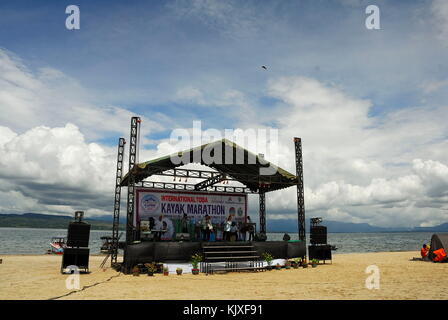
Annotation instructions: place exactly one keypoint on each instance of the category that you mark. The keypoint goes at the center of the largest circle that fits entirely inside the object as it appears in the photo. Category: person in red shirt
(424, 252)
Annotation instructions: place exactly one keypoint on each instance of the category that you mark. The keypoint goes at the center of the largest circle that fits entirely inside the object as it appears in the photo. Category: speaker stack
(77, 251)
(318, 235)
(319, 249)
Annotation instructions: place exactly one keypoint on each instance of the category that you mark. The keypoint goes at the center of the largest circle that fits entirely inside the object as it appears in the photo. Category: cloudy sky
(370, 105)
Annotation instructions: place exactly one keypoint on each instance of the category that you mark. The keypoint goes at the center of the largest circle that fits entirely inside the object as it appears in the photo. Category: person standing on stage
(207, 227)
(184, 223)
(250, 229)
(158, 228)
(227, 228)
(234, 231)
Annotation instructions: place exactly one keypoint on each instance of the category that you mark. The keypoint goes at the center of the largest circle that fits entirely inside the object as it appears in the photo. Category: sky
(370, 105)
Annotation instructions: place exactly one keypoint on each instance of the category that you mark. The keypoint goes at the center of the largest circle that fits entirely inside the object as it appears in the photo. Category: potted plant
(152, 268)
(288, 264)
(166, 272)
(179, 271)
(304, 263)
(136, 271)
(266, 256)
(296, 263)
(195, 259)
(314, 263)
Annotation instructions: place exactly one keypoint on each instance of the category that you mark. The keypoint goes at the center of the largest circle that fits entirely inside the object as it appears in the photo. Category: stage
(201, 202)
(172, 251)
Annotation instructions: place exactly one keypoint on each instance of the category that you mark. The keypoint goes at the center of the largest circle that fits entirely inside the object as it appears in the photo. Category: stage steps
(230, 257)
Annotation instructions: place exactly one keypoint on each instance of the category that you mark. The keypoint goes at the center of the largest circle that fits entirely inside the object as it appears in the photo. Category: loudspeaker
(318, 239)
(318, 235)
(78, 234)
(318, 230)
(75, 257)
(319, 252)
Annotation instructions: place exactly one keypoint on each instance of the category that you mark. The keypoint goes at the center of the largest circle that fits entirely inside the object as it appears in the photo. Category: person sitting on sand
(424, 252)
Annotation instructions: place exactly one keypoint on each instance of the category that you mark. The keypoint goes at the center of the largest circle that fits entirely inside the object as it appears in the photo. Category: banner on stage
(171, 206)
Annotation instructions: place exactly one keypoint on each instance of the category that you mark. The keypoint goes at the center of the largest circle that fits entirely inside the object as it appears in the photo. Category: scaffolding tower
(117, 201)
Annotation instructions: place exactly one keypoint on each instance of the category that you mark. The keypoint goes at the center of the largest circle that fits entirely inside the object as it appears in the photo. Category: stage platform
(174, 251)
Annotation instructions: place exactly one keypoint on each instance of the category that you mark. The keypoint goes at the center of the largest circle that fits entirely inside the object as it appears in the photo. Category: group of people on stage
(162, 228)
(204, 229)
(232, 231)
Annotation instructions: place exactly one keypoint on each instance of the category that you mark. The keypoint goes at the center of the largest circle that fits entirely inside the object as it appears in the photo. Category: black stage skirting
(146, 252)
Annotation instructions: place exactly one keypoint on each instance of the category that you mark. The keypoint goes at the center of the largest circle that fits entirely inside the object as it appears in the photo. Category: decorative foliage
(267, 257)
(151, 267)
(195, 259)
(136, 271)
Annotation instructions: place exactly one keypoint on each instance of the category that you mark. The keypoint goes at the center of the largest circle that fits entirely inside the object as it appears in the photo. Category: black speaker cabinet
(318, 235)
(75, 257)
(78, 234)
(318, 230)
(319, 252)
(318, 239)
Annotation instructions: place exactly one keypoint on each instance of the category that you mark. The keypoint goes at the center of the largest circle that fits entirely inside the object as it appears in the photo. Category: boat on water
(57, 245)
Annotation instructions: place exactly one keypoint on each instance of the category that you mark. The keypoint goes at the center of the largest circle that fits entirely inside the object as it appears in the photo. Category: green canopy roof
(227, 158)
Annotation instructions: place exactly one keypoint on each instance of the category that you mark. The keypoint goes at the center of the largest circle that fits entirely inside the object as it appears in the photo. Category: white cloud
(439, 9)
(433, 86)
(190, 94)
(227, 17)
(47, 168)
(49, 97)
(388, 170)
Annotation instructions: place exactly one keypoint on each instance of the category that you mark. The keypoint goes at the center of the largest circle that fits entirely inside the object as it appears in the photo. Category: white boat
(57, 245)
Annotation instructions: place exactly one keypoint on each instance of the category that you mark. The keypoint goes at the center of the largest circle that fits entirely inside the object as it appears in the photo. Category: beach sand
(38, 277)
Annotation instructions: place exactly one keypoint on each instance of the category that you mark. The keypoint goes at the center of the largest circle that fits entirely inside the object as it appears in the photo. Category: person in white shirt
(227, 228)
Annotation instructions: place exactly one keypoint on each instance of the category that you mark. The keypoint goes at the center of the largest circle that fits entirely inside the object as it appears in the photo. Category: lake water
(36, 241)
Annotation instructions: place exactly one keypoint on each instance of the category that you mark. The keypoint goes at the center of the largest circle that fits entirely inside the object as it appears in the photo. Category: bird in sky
(264, 67)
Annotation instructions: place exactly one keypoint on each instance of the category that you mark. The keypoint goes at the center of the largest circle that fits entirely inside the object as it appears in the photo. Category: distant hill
(440, 228)
(290, 225)
(37, 220)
